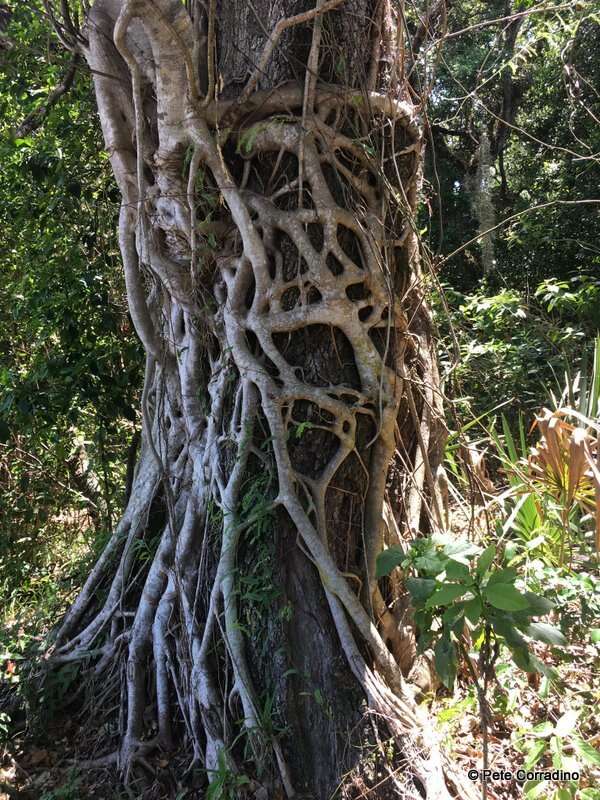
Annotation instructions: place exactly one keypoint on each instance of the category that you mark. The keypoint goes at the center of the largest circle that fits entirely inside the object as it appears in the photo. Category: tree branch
(36, 118)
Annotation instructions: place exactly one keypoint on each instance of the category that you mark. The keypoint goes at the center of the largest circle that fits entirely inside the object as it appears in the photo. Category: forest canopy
(299, 399)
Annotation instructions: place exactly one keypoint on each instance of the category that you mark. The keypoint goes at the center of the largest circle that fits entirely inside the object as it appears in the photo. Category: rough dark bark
(292, 422)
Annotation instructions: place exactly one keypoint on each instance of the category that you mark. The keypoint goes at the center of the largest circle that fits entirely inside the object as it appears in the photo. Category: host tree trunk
(269, 160)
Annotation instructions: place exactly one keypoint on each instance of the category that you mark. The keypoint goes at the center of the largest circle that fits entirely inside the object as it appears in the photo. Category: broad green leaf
(447, 593)
(589, 794)
(420, 588)
(535, 753)
(454, 618)
(504, 626)
(543, 729)
(460, 550)
(522, 658)
(510, 551)
(456, 571)
(506, 575)
(595, 635)
(586, 752)
(424, 640)
(485, 559)
(387, 560)
(505, 597)
(473, 609)
(534, 789)
(557, 752)
(539, 606)
(433, 563)
(445, 661)
(423, 619)
(543, 632)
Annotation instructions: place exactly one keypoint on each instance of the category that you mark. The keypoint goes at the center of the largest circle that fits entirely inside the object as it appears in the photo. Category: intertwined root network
(271, 268)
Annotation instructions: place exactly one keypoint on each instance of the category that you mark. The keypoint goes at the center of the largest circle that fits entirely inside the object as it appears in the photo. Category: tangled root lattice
(272, 275)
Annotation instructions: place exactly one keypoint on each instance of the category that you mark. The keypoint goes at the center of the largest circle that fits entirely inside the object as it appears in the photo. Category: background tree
(504, 78)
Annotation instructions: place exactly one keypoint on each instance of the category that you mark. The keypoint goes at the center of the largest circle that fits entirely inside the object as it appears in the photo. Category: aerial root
(148, 636)
(170, 616)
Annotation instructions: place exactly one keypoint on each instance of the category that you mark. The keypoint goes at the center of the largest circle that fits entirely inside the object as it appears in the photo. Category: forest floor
(534, 722)
(529, 722)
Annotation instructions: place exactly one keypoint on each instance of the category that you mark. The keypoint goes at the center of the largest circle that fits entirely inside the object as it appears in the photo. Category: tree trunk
(292, 422)
(480, 188)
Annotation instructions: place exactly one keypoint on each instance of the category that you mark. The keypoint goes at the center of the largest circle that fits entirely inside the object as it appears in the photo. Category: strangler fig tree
(269, 158)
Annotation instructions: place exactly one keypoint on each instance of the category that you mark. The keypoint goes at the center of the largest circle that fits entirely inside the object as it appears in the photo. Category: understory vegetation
(504, 597)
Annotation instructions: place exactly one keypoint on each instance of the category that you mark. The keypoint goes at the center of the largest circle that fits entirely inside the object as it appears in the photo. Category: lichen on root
(272, 275)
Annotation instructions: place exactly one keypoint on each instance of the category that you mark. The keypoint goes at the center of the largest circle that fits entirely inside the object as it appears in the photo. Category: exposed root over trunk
(272, 275)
